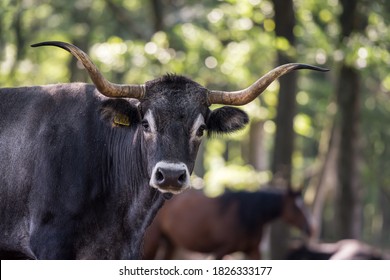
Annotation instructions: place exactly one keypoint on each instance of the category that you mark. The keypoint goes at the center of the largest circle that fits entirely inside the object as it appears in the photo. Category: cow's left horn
(245, 96)
(102, 84)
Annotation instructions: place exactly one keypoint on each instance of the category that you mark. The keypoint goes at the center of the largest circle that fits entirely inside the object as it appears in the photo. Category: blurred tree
(349, 208)
(81, 38)
(257, 152)
(158, 14)
(286, 109)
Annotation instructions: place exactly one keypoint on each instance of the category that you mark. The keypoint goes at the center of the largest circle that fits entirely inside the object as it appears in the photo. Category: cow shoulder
(226, 119)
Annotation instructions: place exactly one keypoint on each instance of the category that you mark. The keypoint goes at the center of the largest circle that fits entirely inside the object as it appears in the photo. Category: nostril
(159, 176)
(182, 178)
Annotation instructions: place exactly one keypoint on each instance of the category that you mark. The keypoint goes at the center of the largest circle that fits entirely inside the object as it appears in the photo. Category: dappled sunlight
(235, 177)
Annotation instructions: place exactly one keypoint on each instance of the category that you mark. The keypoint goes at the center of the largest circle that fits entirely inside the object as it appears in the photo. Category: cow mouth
(166, 191)
(170, 177)
(170, 190)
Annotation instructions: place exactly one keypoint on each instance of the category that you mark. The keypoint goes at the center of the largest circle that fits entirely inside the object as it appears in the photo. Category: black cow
(84, 168)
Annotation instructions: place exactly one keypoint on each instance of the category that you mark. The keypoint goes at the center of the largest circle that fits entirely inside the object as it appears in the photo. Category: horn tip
(36, 45)
(50, 43)
(311, 67)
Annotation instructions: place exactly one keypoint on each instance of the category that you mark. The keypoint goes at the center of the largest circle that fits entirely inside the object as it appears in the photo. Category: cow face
(175, 116)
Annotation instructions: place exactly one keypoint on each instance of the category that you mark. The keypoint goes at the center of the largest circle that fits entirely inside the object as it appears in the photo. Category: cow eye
(145, 125)
(200, 131)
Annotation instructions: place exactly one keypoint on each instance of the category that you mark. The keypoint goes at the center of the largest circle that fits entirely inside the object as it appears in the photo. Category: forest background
(327, 134)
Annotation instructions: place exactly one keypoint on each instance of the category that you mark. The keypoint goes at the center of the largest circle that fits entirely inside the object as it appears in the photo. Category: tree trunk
(80, 16)
(384, 204)
(326, 180)
(348, 195)
(348, 210)
(257, 155)
(284, 138)
(158, 15)
(127, 23)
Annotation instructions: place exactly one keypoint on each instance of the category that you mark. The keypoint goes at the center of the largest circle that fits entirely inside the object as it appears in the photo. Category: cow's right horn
(105, 87)
(245, 96)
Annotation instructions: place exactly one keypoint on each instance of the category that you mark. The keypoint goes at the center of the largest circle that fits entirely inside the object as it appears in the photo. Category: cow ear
(226, 119)
(119, 113)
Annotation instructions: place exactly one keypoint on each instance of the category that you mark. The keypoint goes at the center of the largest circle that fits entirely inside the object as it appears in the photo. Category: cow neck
(126, 178)
(123, 169)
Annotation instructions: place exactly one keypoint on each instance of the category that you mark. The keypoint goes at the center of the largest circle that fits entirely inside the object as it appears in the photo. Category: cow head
(174, 114)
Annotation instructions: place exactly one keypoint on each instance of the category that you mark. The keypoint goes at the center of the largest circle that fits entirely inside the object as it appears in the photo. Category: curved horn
(105, 87)
(245, 96)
